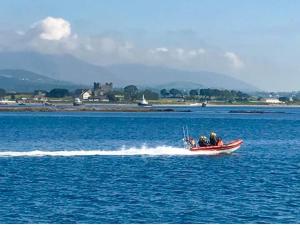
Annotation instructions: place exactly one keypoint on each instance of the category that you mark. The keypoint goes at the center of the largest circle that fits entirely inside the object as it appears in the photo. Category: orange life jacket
(220, 143)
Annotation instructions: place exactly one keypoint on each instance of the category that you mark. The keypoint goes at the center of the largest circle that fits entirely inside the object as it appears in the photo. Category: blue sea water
(105, 168)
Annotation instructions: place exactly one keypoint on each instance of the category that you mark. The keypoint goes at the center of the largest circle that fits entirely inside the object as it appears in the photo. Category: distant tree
(175, 92)
(118, 91)
(223, 94)
(131, 92)
(58, 93)
(284, 99)
(112, 97)
(194, 93)
(2, 92)
(226, 94)
(205, 92)
(164, 93)
(242, 95)
(296, 99)
(149, 94)
(77, 92)
(38, 92)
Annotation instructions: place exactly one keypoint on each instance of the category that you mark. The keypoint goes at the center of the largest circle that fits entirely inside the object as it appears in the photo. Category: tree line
(132, 93)
(203, 93)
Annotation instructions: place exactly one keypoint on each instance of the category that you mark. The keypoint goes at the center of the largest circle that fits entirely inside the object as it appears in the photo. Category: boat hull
(144, 105)
(225, 149)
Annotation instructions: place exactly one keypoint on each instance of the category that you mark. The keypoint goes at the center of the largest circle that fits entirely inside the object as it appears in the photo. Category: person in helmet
(203, 141)
(213, 139)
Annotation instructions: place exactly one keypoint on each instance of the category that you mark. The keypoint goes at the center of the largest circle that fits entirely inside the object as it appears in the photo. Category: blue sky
(263, 35)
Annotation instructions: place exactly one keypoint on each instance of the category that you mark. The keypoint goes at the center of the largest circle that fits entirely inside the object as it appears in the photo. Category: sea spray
(133, 151)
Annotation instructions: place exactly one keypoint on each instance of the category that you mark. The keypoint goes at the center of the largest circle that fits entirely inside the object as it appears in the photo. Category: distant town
(106, 93)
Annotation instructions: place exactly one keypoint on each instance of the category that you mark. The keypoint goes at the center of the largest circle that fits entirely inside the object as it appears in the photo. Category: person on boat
(219, 142)
(192, 142)
(213, 139)
(203, 141)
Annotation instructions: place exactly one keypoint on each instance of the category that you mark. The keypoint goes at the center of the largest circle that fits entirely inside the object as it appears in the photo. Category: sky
(255, 41)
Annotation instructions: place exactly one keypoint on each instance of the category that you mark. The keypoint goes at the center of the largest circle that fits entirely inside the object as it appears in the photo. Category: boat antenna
(185, 140)
(184, 136)
(187, 131)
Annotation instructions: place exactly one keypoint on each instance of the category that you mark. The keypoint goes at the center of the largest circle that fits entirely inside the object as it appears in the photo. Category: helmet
(213, 134)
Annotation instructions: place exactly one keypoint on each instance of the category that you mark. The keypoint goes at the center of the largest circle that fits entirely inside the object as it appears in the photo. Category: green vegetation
(164, 93)
(111, 96)
(2, 92)
(150, 95)
(132, 94)
(284, 99)
(175, 93)
(205, 94)
(58, 93)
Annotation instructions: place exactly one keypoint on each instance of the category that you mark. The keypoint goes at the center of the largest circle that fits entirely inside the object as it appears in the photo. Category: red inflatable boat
(224, 149)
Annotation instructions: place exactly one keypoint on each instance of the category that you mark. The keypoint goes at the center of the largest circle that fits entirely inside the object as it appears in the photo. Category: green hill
(27, 81)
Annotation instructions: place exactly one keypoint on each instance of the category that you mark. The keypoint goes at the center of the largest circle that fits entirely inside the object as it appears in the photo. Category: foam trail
(157, 151)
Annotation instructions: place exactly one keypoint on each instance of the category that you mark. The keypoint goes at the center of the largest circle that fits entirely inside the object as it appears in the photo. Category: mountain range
(70, 72)
(27, 81)
(156, 76)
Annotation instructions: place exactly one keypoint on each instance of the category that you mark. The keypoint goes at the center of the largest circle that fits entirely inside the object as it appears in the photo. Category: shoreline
(229, 105)
(124, 107)
(83, 109)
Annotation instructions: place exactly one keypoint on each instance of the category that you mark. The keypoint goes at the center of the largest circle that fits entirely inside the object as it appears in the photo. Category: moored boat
(195, 104)
(204, 104)
(144, 103)
(77, 102)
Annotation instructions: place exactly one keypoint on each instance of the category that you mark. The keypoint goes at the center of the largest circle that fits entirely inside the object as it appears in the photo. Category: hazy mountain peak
(69, 68)
(26, 81)
(60, 67)
(160, 75)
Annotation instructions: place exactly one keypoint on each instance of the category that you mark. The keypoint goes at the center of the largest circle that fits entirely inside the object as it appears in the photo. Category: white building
(6, 102)
(85, 95)
(272, 101)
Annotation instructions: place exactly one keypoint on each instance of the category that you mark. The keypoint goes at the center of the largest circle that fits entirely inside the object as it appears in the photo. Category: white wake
(156, 151)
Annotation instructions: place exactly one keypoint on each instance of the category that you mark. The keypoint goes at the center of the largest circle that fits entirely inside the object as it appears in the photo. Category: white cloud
(178, 52)
(196, 52)
(52, 28)
(234, 59)
(54, 36)
(193, 53)
(160, 50)
(201, 51)
(20, 32)
(107, 45)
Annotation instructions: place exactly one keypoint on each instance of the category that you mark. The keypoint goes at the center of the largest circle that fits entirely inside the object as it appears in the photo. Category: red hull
(229, 146)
